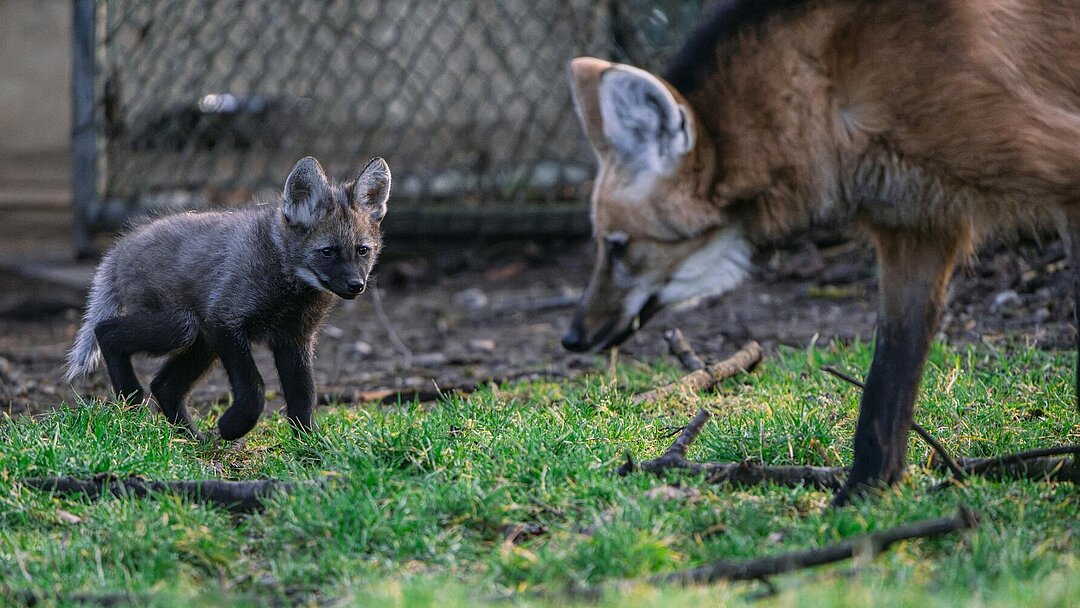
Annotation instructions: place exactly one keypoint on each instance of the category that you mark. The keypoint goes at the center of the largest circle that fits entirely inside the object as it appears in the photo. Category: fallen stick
(871, 544)
(745, 473)
(237, 496)
(680, 348)
(384, 396)
(982, 465)
(1048, 469)
(408, 394)
(1044, 464)
(37, 598)
(703, 379)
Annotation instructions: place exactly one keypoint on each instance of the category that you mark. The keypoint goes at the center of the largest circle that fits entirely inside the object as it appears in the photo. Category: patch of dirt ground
(459, 316)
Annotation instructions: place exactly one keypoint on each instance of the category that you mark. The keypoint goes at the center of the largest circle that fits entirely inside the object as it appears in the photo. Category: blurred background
(110, 109)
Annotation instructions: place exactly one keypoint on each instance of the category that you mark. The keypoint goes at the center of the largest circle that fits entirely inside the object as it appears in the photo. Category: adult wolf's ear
(305, 187)
(633, 113)
(372, 188)
(585, 84)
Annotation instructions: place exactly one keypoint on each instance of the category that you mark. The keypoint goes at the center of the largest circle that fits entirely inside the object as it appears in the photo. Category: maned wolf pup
(929, 124)
(201, 286)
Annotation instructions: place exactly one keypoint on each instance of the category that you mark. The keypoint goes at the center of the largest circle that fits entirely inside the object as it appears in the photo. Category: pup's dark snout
(356, 286)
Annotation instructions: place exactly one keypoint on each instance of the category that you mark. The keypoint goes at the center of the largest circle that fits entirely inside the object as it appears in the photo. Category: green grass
(421, 498)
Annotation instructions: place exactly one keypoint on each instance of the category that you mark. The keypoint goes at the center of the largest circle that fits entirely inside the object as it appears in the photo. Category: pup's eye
(362, 250)
(328, 252)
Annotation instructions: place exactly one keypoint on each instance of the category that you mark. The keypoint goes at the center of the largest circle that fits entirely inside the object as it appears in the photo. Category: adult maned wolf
(204, 286)
(931, 124)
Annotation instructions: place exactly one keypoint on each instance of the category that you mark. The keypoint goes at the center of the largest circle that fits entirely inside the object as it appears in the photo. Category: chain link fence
(204, 103)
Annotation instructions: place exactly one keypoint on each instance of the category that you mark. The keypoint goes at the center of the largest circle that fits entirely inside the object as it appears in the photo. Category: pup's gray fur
(201, 286)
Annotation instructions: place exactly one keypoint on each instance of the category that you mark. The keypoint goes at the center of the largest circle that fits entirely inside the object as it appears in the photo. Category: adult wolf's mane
(698, 54)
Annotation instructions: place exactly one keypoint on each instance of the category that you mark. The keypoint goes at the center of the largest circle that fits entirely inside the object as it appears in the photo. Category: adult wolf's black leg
(914, 272)
(247, 385)
(175, 379)
(122, 337)
(1069, 228)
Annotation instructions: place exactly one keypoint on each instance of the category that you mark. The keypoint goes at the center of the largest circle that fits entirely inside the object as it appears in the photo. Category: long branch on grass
(38, 597)
(950, 462)
(1039, 468)
(343, 395)
(742, 361)
(1043, 464)
(871, 544)
(237, 496)
(981, 465)
(744, 473)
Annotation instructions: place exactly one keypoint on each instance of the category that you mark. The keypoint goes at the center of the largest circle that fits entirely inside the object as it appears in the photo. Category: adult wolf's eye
(327, 252)
(362, 250)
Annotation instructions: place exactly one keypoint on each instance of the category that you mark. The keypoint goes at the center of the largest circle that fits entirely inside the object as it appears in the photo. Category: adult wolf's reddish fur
(931, 124)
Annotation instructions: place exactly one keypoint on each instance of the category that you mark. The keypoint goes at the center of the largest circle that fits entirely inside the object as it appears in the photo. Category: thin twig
(846, 378)
(955, 468)
(384, 320)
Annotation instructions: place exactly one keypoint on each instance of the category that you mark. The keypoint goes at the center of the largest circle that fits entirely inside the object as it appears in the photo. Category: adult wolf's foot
(859, 485)
(844, 495)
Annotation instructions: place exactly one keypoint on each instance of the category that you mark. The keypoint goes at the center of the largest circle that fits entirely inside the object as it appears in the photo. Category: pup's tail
(85, 356)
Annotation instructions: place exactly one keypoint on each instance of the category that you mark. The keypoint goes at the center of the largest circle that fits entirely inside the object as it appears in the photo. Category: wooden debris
(680, 348)
(703, 379)
(871, 545)
(344, 395)
(826, 478)
(1037, 468)
(237, 496)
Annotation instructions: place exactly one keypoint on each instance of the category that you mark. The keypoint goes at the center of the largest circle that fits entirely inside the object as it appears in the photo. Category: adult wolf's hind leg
(914, 272)
(122, 337)
(175, 379)
(1069, 229)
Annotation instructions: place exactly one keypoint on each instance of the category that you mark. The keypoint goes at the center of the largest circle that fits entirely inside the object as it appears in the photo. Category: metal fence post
(84, 176)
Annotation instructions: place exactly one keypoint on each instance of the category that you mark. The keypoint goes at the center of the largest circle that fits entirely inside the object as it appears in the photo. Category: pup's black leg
(247, 385)
(122, 337)
(175, 379)
(293, 362)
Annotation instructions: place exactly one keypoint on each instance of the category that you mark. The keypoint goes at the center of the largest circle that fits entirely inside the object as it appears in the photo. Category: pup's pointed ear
(372, 188)
(585, 85)
(305, 189)
(644, 123)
